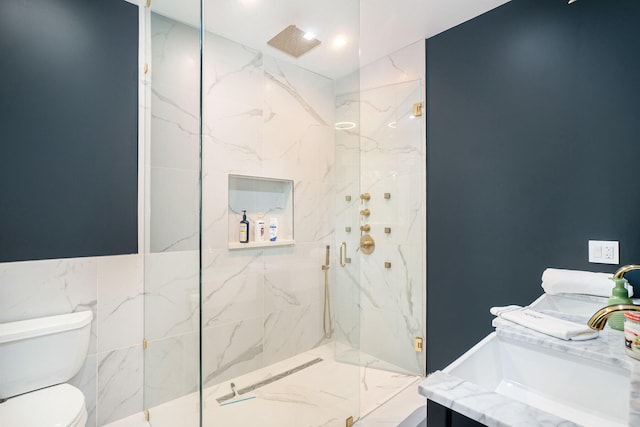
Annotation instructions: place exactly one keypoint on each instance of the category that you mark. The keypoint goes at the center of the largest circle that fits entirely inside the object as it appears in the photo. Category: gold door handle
(343, 254)
(367, 244)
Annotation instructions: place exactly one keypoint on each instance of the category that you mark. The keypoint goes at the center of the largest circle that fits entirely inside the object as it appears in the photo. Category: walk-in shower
(233, 124)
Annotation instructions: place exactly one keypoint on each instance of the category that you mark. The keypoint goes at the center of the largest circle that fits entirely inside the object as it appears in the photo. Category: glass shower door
(392, 167)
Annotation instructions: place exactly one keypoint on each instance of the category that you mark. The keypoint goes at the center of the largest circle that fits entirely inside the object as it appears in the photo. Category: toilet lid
(58, 406)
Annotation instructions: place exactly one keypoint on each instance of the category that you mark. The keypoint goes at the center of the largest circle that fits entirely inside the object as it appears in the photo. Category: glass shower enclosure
(274, 332)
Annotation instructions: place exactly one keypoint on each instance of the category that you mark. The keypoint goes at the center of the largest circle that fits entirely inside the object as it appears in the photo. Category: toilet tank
(41, 352)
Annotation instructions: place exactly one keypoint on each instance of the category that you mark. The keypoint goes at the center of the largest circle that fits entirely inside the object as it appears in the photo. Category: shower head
(292, 41)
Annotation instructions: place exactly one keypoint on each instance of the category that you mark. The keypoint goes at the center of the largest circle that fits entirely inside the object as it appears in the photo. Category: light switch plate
(604, 252)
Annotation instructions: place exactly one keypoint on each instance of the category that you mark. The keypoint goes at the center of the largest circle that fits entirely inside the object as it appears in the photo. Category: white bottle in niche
(259, 232)
(273, 229)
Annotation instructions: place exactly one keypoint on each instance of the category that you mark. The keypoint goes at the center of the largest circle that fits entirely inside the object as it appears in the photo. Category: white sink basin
(581, 390)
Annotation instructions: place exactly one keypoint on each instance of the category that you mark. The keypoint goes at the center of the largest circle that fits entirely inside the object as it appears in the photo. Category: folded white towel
(557, 281)
(544, 323)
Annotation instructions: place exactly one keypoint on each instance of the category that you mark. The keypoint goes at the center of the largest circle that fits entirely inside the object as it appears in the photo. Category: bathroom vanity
(516, 376)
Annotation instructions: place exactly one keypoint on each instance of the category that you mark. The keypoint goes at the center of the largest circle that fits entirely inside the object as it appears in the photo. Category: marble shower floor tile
(323, 394)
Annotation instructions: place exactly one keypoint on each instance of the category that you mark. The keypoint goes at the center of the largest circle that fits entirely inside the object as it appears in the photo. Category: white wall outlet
(604, 252)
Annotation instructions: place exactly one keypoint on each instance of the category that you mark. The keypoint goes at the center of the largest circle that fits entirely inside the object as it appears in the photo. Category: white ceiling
(384, 25)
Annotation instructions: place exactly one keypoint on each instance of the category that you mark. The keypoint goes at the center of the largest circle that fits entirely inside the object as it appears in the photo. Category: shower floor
(323, 394)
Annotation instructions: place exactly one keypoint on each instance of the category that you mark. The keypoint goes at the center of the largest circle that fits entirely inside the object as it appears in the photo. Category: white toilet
(37, 357)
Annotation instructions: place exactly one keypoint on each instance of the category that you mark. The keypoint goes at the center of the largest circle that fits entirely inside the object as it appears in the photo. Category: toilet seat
(62, 405)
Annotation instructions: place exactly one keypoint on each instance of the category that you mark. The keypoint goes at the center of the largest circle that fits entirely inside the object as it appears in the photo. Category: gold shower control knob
(365, 212)
(365, 196)
(367, 244)
(366, 228)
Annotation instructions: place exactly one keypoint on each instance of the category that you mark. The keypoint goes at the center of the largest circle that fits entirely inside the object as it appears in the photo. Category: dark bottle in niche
(244, 228)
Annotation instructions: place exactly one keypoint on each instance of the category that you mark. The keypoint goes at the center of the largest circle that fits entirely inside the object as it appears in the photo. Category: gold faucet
(599, 319)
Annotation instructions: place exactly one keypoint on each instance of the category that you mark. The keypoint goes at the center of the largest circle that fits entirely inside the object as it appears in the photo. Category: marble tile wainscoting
(112, 288)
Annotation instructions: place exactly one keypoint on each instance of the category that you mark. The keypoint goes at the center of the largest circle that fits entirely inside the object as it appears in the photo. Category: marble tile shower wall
(262, 117)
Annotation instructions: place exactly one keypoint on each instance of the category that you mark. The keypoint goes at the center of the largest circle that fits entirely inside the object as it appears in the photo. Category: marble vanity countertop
(487, 407)
(493, 409)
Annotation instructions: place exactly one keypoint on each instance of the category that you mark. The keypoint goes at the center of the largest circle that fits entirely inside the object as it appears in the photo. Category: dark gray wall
(533, 141)
(68, 133)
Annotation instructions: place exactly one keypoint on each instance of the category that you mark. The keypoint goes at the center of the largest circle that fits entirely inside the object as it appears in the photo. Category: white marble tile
(32, 289)
(231, 349)
(293, 277)
(298, 122)
(346, 296)
(171, 289)
(174, 209)
(300, 399)
(171, 369)
(215, 223)
(314, 209)
(398, 288)
(175, 54)
(120, 383)
(233, 73)
(174, 131)
(233, 286)
(174, 94)
(376, 384)
(397, 332)
(405, 64)
(233, 128)
(135, 420)
(403, 213)
(120, 301)
(293, 331)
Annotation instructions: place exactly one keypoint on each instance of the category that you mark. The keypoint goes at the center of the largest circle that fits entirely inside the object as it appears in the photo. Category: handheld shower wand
(327, 323)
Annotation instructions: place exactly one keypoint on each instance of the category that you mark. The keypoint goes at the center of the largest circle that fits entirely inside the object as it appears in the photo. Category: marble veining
(120, 379)
(489, 408)
(494, 409)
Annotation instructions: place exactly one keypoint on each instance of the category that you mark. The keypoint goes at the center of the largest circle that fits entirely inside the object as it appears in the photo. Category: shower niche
(271, 196)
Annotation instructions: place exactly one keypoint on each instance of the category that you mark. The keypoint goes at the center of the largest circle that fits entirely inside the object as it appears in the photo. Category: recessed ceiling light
(340, 41)
(309, 36)
(345, 125)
